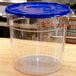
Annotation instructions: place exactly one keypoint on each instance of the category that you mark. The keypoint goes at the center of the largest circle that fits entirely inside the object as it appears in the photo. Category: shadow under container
(37, 32)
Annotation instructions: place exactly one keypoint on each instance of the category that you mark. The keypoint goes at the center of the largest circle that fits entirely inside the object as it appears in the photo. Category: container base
(37, 65)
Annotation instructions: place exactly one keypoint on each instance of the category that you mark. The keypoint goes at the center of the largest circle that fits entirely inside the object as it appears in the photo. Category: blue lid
(38, 9)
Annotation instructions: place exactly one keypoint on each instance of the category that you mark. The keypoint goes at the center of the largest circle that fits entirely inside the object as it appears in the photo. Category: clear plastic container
(37, 32)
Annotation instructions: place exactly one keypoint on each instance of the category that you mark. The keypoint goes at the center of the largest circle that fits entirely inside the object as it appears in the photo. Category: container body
(37, 43)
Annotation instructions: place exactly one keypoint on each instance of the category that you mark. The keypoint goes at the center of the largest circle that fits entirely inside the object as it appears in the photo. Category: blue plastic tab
(38, 9)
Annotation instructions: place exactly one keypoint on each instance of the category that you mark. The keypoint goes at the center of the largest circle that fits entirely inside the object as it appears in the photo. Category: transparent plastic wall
(37, 44)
